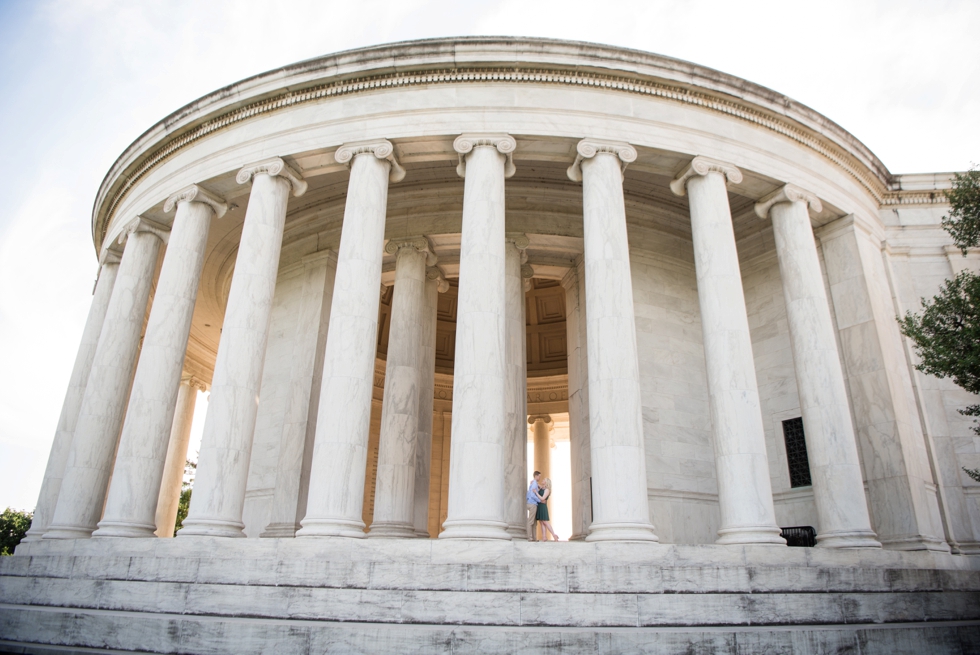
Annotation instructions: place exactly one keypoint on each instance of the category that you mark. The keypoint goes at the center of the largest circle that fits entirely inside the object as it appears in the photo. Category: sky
(81, 79)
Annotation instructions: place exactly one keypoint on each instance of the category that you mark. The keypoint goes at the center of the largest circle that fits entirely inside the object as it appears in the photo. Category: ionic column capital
(109, 256)
(527, 272)
(380, 148)
(702, 166)
(787, 193)
(274, 167)
(543, 418)
(589, 148)
(419, 243)
(435, 273)
(143, 224)
(194, 383)
(504, 143)
(518, 239)
(194, 193)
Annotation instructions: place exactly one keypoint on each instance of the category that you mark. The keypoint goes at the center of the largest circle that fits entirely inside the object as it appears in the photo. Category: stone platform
(201, 595)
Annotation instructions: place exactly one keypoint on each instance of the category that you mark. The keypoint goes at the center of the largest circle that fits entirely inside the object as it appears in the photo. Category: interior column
(515, 463)
(394, 498)
(744, 490)
(171, 485)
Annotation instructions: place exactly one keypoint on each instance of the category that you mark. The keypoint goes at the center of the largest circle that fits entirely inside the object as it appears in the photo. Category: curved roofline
(420, 55)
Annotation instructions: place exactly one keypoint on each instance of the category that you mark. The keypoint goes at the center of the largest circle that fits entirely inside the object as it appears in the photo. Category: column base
(907, 543)
(422, 535)
(755, 535)
(212, 528)
(331, 528)
(391, 530)
(475, 529)
(581, 536)
(68, 532)
(848, 539)
(279, 531)
(517, 531)
(622, 532)
(121, 529)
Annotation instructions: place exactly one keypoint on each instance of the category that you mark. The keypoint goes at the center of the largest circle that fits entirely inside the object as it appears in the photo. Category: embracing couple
(537, 508)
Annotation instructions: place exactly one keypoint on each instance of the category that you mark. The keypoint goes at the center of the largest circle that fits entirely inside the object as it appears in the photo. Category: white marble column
(172, 482)
(622, 512)
(542, 427)
(336, 496)
(302, 405)
(838, 486)
(394, 497)
(515, 454)
(744, 491)
(226, 445)
(435, 283)
(100, 417)
(58, 459)
(130, 509)
(479, 432)
(578, 401)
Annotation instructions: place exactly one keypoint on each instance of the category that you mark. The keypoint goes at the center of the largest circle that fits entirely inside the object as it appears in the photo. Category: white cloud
(81, 79)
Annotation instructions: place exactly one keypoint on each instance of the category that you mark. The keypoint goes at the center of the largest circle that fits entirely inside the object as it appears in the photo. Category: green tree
(946, 336)
(14, 524)
(185, 495)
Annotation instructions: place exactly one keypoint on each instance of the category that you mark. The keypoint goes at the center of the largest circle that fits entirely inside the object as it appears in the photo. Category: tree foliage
(14, 524)
(946, 335)
(185, 495)
(963, 220)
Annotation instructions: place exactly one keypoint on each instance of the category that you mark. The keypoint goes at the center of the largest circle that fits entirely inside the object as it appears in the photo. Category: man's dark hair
(536, 474)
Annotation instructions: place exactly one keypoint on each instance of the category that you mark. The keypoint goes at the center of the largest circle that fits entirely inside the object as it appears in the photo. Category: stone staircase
(306, 596)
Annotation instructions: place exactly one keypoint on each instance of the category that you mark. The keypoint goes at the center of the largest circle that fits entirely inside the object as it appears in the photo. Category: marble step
(502, 608)
(557, 577)
(44, 631)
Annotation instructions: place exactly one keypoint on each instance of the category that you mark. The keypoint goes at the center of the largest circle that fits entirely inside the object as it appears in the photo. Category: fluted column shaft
(744, 490)
(336, 496)
(130, 509)
(838, 486)
(226, 445)
(100, 416)
(435, 284)
(58, 459)
(541, 426)
(394, 498)
(479, 431)
(617, 440)
(578, 402)
(515, 462)
(168, 500)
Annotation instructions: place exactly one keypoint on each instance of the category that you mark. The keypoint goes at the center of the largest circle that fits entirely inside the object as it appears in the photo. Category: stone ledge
(44, 631)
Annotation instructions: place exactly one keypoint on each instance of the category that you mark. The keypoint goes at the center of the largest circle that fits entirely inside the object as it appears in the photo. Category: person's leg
(532, 511)
(554, 535)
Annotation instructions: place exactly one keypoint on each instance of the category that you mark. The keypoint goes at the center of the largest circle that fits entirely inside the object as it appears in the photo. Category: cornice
(582, 65)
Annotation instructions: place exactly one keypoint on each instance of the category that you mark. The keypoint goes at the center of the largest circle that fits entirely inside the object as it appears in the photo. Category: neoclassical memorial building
(392, 267)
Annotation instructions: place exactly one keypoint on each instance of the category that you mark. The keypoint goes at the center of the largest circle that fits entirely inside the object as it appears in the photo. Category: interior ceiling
(541, 202)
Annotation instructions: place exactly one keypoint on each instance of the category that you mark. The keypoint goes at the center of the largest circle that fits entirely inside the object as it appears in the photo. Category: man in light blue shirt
(532, 506)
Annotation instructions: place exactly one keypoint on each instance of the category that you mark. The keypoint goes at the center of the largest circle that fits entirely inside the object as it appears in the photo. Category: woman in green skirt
(542, 517)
